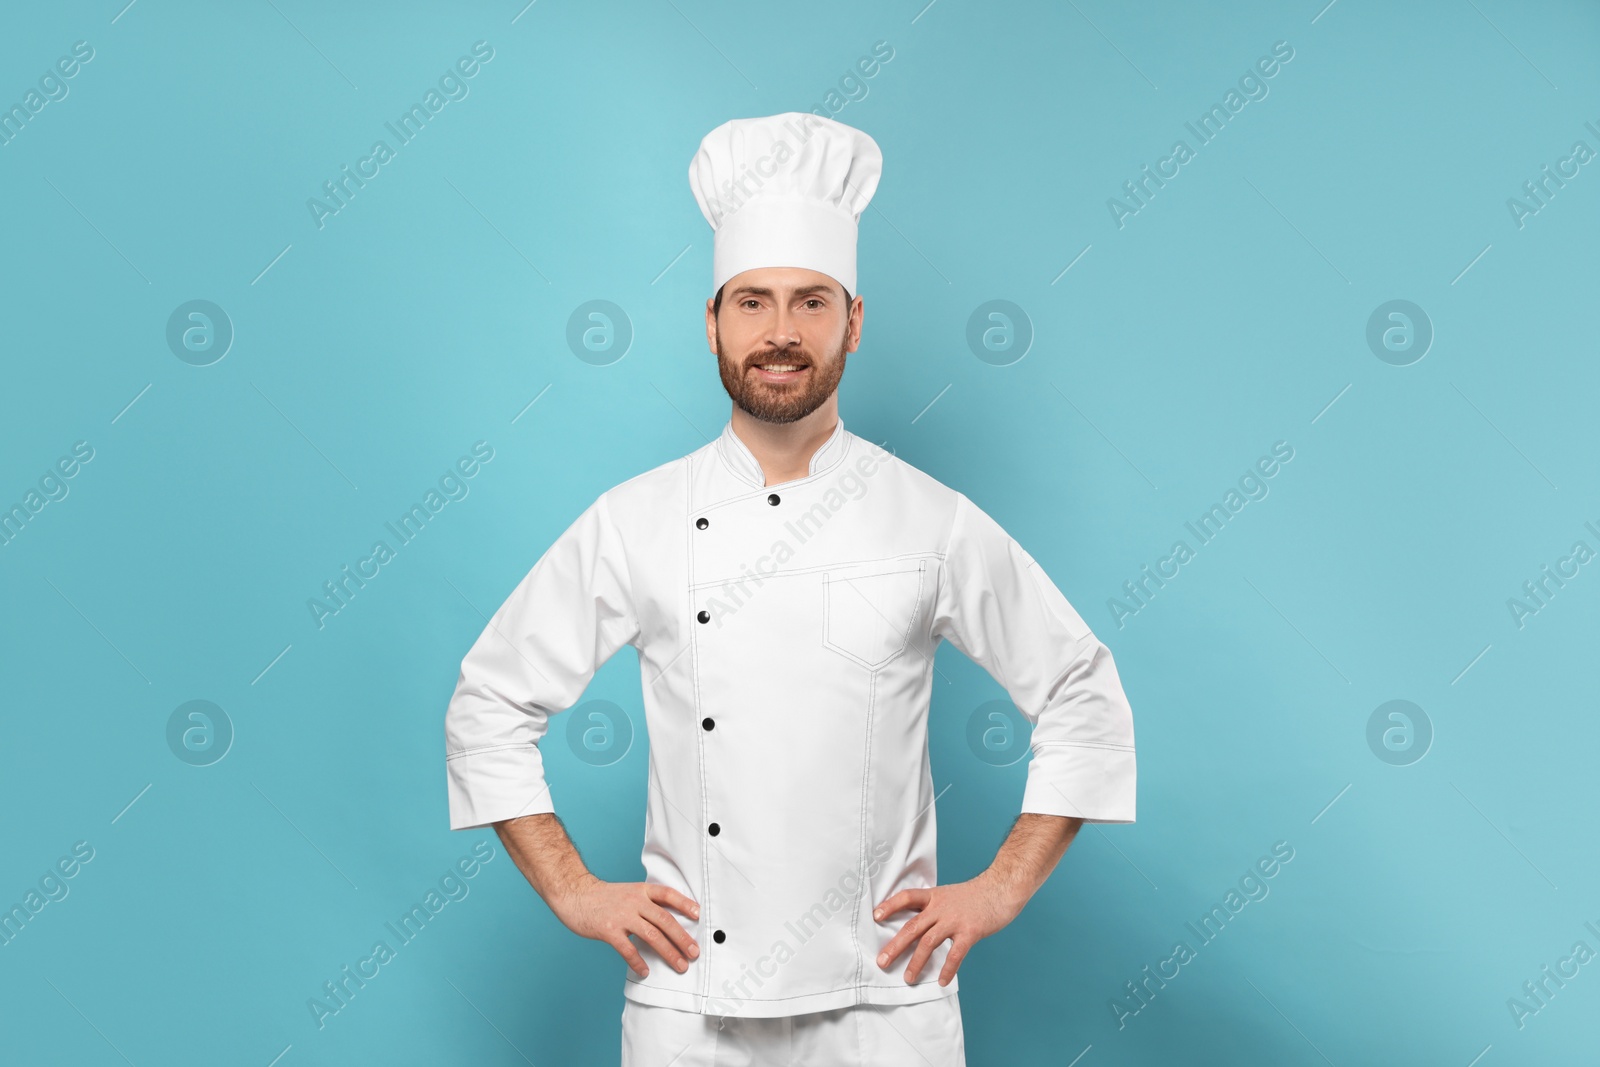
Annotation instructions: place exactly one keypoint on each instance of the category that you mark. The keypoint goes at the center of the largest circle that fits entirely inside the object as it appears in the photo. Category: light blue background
(1230, 313)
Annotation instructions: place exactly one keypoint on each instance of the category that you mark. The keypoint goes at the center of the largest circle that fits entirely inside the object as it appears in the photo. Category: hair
(716, 304)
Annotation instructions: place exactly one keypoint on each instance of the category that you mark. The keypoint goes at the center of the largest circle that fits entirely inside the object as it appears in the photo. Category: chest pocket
(869, 609)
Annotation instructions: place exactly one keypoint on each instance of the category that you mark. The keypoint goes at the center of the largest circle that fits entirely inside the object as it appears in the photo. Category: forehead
(782, 282)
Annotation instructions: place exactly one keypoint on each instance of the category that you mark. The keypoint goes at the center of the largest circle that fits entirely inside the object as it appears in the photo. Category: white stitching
(489, 748)
(1085, 744)
(905, 637)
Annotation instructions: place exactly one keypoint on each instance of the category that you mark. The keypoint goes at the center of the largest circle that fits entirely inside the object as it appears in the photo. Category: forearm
(546, 856)
(1030, 852)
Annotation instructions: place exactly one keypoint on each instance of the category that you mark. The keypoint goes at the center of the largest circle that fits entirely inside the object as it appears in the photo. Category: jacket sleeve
(567, 616)
(997, 605)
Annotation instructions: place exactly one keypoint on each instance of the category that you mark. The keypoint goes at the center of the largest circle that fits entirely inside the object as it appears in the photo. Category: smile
(779, 372)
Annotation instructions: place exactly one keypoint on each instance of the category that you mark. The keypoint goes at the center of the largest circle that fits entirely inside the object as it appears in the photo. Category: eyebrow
(805, 290)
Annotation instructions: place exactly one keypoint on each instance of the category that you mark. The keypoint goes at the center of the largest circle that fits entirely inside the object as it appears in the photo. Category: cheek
(739, 337)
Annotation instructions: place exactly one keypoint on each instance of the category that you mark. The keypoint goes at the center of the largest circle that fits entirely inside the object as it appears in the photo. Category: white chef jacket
(786, 638)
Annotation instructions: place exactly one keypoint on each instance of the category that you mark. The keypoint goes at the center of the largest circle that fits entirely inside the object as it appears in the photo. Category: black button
(707, 723)
(719, 937)
(772, 498)
(714, 829)
(704, 616)
(701, 523)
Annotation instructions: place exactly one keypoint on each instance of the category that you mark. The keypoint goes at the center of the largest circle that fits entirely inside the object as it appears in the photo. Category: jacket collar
(743, 463)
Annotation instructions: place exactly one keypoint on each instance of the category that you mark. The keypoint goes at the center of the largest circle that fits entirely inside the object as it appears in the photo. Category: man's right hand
(610, 911)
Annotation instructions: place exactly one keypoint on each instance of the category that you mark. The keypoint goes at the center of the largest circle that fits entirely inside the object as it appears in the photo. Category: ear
(711, 326)
(852, 329)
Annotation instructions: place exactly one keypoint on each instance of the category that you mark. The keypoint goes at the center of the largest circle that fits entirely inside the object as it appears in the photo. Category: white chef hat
(785, 191)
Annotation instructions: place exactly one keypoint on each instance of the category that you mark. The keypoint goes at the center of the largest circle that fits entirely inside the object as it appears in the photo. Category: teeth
(778, 367)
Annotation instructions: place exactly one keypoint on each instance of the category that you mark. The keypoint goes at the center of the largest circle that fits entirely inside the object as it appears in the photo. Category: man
(785, 588)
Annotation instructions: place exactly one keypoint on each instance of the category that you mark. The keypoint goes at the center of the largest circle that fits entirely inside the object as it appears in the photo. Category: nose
(784, 330)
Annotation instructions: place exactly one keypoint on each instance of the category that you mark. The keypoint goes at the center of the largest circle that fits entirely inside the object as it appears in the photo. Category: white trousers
(925, 1034)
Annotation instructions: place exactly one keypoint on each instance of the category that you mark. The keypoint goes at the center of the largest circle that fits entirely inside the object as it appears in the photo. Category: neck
(784, 450)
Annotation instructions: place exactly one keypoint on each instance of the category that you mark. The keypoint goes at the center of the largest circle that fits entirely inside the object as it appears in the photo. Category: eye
(815, 302)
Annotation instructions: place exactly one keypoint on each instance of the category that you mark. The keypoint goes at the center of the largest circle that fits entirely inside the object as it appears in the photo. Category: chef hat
(785, 191)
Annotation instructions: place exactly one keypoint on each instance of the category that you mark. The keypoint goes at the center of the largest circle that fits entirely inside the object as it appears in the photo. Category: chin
(777, 418)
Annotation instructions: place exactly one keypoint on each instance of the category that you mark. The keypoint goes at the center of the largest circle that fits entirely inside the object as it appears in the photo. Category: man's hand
(963, 914)
(967, 912)
(610, 911)
(589, 907)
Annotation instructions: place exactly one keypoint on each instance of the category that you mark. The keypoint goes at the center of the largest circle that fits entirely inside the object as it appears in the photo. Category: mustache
(785, 355)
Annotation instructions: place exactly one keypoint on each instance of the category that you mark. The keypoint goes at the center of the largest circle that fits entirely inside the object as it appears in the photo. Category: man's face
(781, 338)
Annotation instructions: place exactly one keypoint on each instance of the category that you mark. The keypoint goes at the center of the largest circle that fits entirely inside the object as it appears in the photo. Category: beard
(780, 402)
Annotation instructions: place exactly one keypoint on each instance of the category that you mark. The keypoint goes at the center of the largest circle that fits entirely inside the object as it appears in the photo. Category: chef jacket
(786, 638)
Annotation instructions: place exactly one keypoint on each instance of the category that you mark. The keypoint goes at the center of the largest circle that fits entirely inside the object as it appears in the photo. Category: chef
(785, 588)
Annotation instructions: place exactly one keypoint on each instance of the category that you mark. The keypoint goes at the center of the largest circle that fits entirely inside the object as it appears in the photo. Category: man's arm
(968, 912)
(546, 856)
(1031, 851)
(570, 614)
(997, 605)
(596, 909)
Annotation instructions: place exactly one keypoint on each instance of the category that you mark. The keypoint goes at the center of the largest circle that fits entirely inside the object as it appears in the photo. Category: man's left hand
(962, 913)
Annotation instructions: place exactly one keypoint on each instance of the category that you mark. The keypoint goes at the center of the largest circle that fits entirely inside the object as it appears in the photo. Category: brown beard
(780, 403)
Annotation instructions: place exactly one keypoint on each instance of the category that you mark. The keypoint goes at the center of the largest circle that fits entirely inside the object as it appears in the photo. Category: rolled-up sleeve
(997, 605)
(567, 616)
